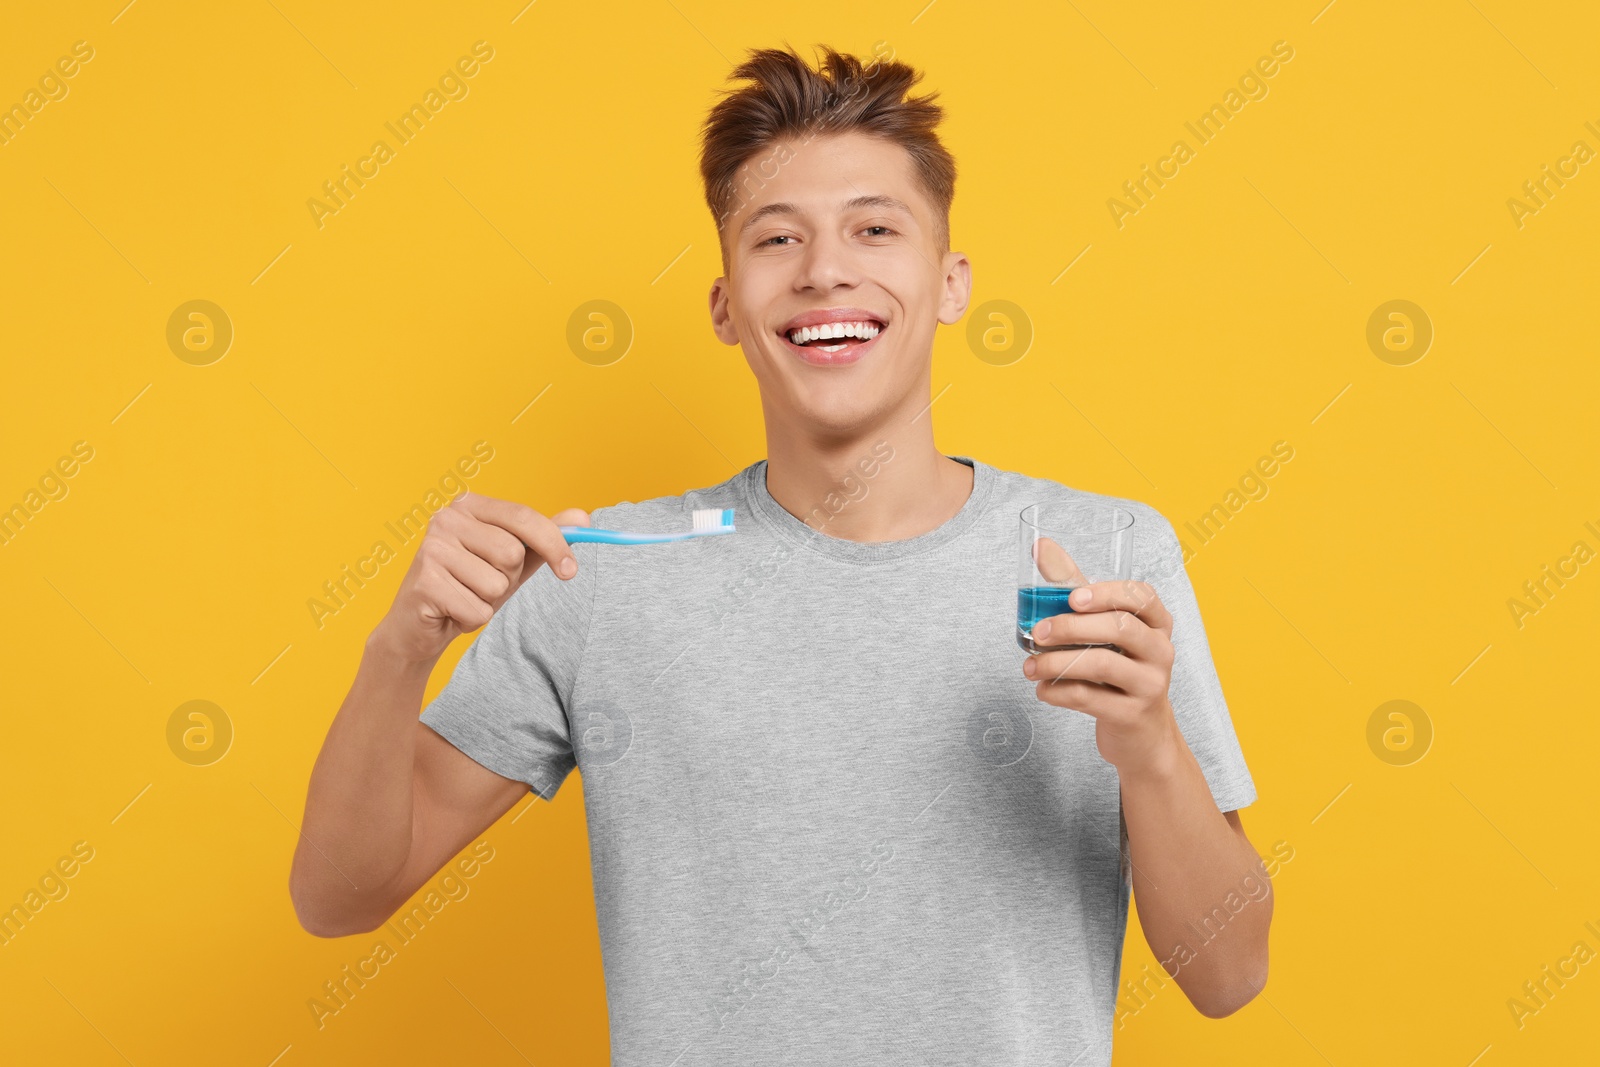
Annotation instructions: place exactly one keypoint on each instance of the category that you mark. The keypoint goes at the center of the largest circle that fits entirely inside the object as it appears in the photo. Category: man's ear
(721, 322)
(957, 288)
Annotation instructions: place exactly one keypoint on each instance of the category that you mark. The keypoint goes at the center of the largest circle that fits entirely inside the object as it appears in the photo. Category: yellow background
(370, 354)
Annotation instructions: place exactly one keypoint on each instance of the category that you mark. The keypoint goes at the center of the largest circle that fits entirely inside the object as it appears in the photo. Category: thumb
(569, 517)
(1055, 564)
(531, 560)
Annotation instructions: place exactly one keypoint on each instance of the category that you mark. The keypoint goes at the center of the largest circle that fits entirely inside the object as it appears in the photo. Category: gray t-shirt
(829, 820)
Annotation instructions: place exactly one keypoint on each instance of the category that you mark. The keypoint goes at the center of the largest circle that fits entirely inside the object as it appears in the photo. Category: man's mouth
(835, 336)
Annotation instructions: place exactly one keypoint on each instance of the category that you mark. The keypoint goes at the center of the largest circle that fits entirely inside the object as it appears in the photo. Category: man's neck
(885, 486)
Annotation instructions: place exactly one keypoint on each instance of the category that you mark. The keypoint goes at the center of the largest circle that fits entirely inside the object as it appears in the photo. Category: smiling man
(834, 816)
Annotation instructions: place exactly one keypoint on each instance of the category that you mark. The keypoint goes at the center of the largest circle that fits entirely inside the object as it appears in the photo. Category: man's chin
(836, 413)
(834, 402)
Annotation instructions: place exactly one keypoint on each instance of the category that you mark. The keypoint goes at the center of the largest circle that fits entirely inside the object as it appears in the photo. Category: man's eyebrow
(877, 200)
(888, 203)
(767, 212)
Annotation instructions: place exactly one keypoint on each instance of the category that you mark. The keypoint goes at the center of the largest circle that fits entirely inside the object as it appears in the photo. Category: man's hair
(789, 100)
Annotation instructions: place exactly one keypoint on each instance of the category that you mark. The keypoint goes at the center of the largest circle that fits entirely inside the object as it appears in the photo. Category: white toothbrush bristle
(708, 519)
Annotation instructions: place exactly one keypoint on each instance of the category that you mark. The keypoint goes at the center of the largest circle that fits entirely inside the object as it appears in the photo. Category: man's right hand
(390, 801)
(477, 552)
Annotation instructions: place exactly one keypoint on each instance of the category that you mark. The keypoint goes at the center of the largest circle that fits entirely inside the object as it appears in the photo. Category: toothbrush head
(713, 520)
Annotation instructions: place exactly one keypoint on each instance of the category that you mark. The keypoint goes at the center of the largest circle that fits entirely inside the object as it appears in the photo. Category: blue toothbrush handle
(588, 534)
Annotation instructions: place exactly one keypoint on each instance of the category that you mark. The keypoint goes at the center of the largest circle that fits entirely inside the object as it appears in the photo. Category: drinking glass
(1062, 545)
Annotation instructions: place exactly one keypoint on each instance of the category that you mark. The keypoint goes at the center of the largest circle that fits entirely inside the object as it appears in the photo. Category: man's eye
(886, 231)
(779, 237)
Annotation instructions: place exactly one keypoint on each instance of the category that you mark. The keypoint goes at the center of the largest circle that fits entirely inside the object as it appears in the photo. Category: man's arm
(1203, 895)
(1192, 865)
(390, 801)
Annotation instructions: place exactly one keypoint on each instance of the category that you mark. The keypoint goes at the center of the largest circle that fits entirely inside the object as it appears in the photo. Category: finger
(1055, 564)
(1101, 665)
(1136, 598)
(1074, 694)
(483, 579)
(454, 601)
(495, 545)
(1123, 629)
(538, 532)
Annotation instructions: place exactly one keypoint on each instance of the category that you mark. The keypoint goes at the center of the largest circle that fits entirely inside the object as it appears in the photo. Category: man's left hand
(1126, 692)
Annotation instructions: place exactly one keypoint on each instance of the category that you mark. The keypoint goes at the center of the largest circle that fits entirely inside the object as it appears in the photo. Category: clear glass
(1060, 547)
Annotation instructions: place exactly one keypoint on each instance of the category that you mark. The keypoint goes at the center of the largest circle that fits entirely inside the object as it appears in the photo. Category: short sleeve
(1196, 691)
(506, 705)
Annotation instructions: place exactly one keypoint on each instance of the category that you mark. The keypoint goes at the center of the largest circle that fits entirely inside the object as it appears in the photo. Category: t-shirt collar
(772, 515)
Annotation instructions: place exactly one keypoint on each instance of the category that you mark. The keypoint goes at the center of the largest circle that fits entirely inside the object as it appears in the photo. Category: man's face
(841, 233)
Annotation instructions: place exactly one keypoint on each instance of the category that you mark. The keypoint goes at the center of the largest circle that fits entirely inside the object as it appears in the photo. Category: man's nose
(826, 264)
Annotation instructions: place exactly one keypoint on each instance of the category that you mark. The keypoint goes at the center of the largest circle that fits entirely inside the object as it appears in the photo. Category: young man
(805, 847)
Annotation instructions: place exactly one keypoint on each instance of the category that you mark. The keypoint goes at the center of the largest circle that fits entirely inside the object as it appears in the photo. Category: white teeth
(866, 331)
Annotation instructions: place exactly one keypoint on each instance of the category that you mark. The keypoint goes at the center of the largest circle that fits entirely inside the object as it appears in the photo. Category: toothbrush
(706, 521)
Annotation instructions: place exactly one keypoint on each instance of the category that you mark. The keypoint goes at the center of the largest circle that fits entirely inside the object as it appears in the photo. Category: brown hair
(789, 100)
